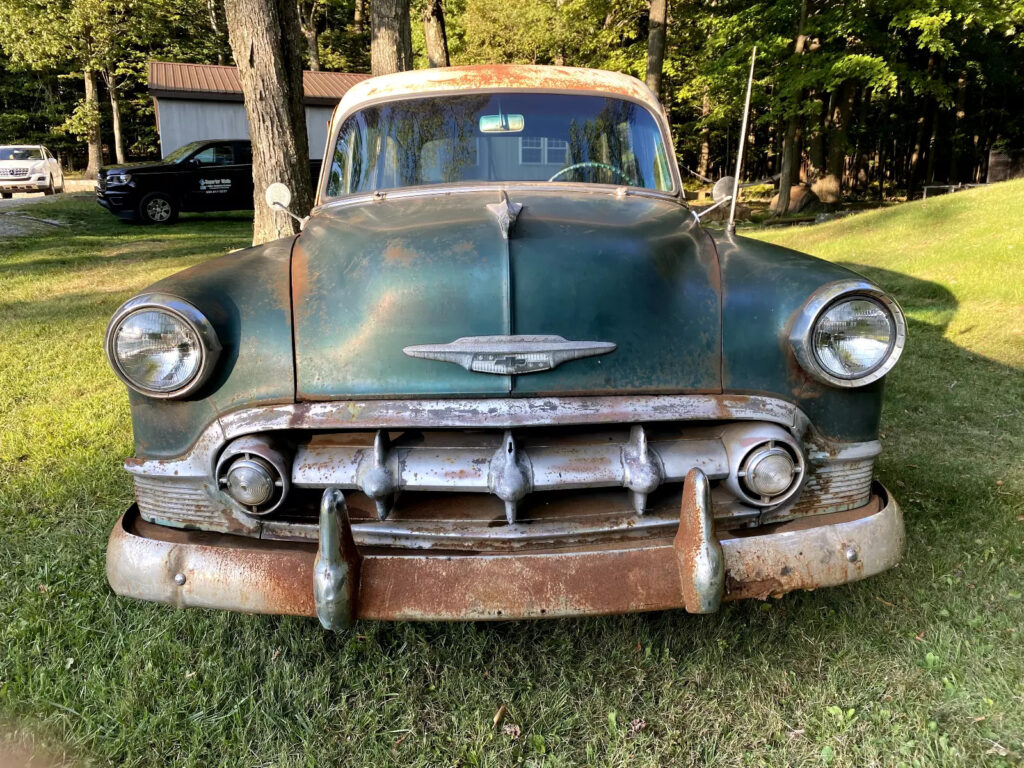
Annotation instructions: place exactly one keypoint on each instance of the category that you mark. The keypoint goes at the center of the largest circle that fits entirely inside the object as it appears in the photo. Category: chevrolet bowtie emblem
(510, 355)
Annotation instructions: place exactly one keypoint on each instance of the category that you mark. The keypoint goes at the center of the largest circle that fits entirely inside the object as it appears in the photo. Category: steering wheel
(592, 164)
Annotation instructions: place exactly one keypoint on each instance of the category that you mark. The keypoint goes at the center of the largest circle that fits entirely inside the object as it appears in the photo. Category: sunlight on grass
(922, 666)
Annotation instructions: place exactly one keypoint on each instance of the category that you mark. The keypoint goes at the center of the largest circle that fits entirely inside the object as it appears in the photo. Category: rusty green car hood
(372, 278)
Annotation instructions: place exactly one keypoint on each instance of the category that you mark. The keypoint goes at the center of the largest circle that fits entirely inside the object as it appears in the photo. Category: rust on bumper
(186, 569)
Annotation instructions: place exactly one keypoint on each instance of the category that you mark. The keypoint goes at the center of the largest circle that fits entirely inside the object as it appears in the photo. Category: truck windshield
(499, 137)
(20, 153)
(182, 152)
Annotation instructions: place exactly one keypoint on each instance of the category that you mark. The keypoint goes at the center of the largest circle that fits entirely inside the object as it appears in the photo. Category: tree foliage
(888, 94)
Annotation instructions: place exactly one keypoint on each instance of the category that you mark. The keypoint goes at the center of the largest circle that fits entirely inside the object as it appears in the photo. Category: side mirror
(722, 190)
(278, 196)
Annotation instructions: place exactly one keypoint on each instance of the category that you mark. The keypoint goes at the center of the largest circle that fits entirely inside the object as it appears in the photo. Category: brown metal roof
(210, 82)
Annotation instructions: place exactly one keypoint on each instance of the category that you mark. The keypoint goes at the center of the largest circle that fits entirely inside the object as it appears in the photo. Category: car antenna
(730, 228)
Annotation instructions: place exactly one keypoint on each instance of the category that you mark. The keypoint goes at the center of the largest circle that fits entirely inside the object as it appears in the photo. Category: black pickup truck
(212, 175)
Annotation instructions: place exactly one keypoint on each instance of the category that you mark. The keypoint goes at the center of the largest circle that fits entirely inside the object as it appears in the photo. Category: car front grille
(14, 173)
(451, 489)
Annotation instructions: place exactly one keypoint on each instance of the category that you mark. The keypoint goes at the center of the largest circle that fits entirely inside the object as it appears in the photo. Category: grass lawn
(922, 666)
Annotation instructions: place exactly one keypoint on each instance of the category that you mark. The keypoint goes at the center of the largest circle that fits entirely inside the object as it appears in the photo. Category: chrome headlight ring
(802, 333)
(181, 310)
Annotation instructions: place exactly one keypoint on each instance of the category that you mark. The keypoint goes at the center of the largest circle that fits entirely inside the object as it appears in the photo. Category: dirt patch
(21, 216)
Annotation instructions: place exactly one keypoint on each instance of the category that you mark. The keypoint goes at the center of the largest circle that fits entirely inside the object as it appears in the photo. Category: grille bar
(506, 467)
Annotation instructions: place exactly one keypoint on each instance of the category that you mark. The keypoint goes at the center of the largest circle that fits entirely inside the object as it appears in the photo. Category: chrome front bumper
(210, 570)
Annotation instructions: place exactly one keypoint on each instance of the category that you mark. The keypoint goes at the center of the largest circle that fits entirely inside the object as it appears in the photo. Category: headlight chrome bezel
(196, 321)
(801, 337)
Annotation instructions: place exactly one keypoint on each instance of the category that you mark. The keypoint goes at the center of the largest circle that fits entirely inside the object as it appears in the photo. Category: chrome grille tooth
(376, 481)
(510, 475)
(642, 472)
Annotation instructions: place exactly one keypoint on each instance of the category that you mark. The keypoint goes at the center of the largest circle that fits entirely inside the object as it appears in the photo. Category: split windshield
(20, 153)
(496, 138)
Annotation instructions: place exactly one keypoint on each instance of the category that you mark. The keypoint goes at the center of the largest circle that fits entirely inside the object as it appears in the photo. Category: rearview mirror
(502, 123)
(722, 190)
(278, 196)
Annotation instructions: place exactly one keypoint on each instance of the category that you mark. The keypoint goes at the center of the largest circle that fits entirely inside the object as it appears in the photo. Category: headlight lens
(853, 337)
(157, 351)
(119, 178)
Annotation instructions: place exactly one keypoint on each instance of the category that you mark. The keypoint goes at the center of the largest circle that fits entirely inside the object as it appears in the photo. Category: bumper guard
(338, 583)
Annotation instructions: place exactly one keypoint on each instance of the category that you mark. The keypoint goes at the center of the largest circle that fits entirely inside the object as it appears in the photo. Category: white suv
(29, 168)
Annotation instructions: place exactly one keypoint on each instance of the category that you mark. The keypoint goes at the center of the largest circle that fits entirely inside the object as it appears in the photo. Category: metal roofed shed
(204, 101)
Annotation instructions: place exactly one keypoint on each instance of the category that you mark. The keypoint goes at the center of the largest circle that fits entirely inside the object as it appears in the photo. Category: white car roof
(494, 77)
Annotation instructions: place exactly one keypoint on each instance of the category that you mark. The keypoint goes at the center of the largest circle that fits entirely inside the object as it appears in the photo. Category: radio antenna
(730, 228)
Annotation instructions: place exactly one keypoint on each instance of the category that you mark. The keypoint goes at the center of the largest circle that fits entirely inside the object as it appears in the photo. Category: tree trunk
(115, 112)
(956, 165)
(434, 34)
(308, 13)
(793, 136)
(357, 16)
(816, 144)
(705, 136)
(267, 46)
(213, 9)
(656, 44)
(838, 130)
(390, 37)
(92, 101)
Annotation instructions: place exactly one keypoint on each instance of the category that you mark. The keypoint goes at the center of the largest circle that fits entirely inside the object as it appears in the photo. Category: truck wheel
(157, 208)
(6, 195)
(49, 189)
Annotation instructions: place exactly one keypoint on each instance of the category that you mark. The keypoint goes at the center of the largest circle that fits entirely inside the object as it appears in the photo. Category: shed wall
(180, 121)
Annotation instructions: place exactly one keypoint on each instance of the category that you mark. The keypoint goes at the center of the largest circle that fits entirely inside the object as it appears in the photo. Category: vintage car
(503, 372)
(29, 168)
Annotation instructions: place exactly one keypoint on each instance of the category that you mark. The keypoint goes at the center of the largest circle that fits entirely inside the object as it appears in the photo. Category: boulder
(801, 200)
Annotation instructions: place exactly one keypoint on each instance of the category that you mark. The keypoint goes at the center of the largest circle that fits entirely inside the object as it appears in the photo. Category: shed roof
(211, 82)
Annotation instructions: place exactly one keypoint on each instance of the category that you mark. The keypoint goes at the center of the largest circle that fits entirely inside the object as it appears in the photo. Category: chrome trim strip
(494, 413)
(401, 193)
(185, 312)
(822, 299)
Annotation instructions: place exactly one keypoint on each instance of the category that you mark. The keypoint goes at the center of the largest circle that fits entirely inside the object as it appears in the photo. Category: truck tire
(49, 190)
(157, 208)
(6, 195)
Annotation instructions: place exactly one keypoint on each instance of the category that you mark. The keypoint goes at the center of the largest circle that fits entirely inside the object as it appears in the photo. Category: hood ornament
(505, 212)
(510, 355)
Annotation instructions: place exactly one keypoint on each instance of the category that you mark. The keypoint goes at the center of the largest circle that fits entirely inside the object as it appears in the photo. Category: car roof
(22, 146)
(494, 77)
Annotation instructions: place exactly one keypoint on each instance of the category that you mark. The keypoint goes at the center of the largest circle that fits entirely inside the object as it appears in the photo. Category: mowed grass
(922, 666)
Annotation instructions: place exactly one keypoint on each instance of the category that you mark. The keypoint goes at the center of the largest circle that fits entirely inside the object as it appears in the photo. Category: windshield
(20, 153)
(182, 152)
(499, 137)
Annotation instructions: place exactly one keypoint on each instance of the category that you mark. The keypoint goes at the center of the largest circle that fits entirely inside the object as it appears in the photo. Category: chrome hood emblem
(510, 355)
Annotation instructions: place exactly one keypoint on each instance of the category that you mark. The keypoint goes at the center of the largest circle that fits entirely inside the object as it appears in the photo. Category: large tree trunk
(92, 101)
(115, 112)
(267, 46)
(793, 137)
(656, 44)
(308, 13)
(435, 35)
(391, 37)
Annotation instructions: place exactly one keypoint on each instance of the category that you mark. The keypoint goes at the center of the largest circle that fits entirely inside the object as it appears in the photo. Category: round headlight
(853, 337)
(849, 334)
(161, 347)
